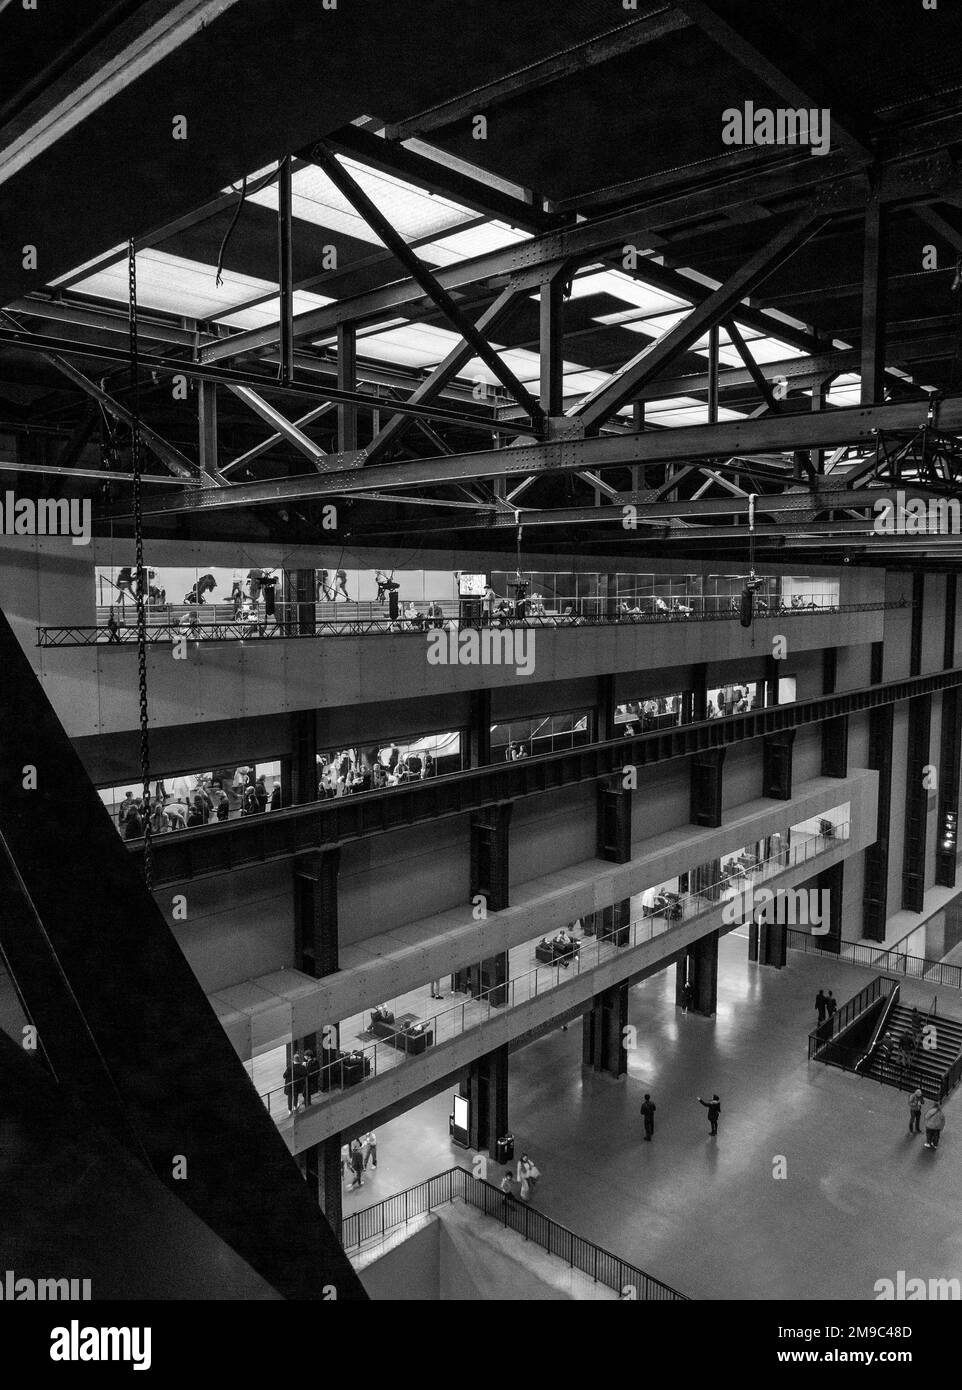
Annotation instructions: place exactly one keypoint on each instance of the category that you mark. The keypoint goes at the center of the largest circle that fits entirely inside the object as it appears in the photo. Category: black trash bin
(504, 1148)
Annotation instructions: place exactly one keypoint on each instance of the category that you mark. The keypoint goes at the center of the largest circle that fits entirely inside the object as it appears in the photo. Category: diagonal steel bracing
(645, 365)
(445, 372)
(431, 286)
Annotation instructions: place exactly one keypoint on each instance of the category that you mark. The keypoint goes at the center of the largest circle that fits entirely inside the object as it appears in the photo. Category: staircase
(933, 1069)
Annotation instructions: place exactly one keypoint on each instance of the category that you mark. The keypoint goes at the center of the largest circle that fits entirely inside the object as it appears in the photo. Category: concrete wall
(410, 1271)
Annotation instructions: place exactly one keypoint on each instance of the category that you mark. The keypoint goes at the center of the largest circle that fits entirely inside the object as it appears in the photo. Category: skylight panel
(174, 285)
(414, 345)
(624, 287)
(260, 315)
(412, 212)
(473, 241)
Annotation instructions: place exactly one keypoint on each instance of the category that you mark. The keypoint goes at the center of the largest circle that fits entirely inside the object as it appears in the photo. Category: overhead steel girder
(658, 515)
(424, 277)
(217, 849)
(172, 458)
(653, 358)
(205, 371)
(768, 434)
(525, 262)
(572, 61)
(281, 424)
(456, 360)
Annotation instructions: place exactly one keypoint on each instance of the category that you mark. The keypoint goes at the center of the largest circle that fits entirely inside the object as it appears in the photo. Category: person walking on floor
(934, 1125)
(713, 1107)
(370, 1143)
(821, 1005)
(831, 1004)
(528, 1175)
(648, 1114)
(357, 1165)
(916, 1101)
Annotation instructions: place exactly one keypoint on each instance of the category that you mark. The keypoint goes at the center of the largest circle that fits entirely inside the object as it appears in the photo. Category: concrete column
(315, 911)
(603, 1032)
(696, 977)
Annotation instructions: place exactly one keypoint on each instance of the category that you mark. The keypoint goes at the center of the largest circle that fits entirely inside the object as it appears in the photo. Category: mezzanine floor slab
(861, 1199)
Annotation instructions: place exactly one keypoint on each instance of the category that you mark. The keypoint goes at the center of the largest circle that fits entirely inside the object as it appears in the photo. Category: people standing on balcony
(340, 585)
(934, 1125)
(260, 792)
(291, 1078)
(713, 1107)
(648, 1108)
(236, 595)
(916, 1101)
(821, 1005)
(831, 1004)
(133, 823)
(251, 806)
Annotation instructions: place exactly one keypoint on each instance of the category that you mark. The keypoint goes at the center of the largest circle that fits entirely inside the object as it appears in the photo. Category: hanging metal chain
(140, 595)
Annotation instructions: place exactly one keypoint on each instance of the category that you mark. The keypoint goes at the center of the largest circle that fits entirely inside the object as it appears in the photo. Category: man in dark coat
(713, 1107)
(648, 1114)
(821, 1005)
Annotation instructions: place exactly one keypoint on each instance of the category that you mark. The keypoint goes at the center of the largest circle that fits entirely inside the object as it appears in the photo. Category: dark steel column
(551, 329)
(832, 881)
(490, 855)
(304, 760)
(699, 693)
(713, 346)
(324, 1177)
(873, 304)
(777, 765)
(696, 977)
(486, 1087)
(285, 268)
(479, 730)
(603, 1031)
(918, 618)
(875, 907)
(706, 787)
(605, 707)
(315, 910)
(207, 425)
(916, 803)
(614, 821)
(346, 381)
(950, 751)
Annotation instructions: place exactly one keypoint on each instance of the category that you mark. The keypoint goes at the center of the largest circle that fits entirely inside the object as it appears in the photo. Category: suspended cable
(140, 597)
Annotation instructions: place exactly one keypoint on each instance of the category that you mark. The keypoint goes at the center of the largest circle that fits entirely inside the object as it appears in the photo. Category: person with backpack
(648, 1108)
(713, 1107)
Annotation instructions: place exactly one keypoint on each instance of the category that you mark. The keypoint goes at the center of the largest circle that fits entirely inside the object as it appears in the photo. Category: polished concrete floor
(860, 1199)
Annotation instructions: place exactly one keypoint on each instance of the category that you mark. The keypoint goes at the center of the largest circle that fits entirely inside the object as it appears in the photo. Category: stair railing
(879, 1027)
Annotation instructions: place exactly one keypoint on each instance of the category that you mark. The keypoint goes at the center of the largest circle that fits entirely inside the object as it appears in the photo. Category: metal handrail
(330, 1077)
(880, 1026)
(373, 1223)
(286, 626)
(880, 957)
